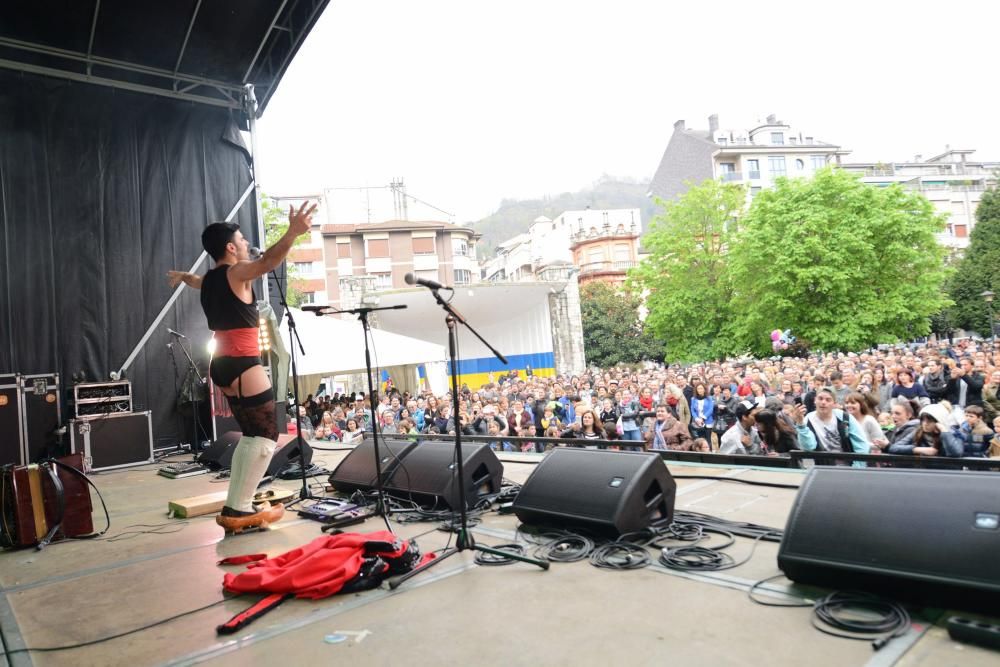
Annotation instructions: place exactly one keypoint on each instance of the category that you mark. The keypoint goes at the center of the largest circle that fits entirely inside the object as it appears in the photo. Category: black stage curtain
(101, 192)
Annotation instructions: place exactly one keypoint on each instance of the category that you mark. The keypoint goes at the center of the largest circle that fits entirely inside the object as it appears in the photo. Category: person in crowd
(936, 381)
(327, 429)
(702, 412)
(665, 431)
(856, 405)
(608, 415)
(387, 426)
(308, 432)
(588, 428)
(975, 433)
(904, 420)
(882, 388)
(629, 408)
(936, 435)
(994, 450)
(906, 387)
(678, 403)
(830, 429)
(991, 399)
(354, 434)
(497, 443)
(742, 437)
(777, 435)
(839, 387)
(701, 445)
(518, 418)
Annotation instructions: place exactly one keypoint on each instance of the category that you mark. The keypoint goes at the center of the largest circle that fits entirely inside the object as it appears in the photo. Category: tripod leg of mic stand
(394, 582)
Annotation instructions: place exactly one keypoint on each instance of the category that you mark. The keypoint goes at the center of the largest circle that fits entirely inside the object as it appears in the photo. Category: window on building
(622, 253)
(459, 247)
(778, 138)
(776, 165)
(799, 164)
(377, 247)
(818, 161)
(424, 246)
(383, 280)
(754, 191)
(753, 169)
(343, 250)
(722, 141)
(961, 231)
(463, 276)
(308, 297)
(595, 255)
(304, 268)
(727, 167)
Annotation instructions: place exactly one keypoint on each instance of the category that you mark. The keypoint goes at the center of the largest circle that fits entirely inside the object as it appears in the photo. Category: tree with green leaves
(685, 277)
(979, 269)
(275, 226)
(612, 331)
(841, 263)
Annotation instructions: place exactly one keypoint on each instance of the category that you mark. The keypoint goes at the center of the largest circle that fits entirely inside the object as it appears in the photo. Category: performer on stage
(230, 305)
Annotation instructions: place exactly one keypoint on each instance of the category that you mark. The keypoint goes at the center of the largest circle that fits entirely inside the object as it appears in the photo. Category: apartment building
(376, 257)
(754, 157)
(952, 181)
(601, 244)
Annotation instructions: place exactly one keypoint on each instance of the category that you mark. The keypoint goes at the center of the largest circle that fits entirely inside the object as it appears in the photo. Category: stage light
(211, 346)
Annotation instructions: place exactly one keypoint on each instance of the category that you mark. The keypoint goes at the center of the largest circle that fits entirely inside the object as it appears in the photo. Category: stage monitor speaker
(605, 491)
(11, 422)
(931, 536)
(287, 453)
(219, 455)
(357, 471)
(427, 474)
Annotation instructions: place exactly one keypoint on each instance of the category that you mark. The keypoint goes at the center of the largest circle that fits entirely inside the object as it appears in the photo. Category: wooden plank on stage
(208, 503)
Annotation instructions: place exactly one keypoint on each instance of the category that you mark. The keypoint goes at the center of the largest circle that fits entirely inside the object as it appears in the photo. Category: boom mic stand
(381, 507)
(293, 340)
(464, 541)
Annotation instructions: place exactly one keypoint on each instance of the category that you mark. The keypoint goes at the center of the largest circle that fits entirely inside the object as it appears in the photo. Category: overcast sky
(471, 102)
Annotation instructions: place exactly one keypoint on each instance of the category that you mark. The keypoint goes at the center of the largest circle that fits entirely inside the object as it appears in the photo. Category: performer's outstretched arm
(175, 278)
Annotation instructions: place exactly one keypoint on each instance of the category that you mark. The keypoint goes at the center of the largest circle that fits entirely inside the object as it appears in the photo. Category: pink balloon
(776, 334)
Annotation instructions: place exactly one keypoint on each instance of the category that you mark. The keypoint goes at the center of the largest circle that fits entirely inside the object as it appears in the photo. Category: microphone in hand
(411, 279)
(255, 253)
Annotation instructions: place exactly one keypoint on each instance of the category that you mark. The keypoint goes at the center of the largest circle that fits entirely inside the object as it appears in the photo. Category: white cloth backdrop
(337, 347)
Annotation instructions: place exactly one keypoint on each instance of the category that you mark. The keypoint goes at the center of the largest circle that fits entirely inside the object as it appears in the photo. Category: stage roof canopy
(203, 51)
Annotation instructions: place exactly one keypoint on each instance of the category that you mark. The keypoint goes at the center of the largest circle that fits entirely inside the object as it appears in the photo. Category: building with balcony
(951, 181)
(754, 158)
(601, 244)
(376, 257)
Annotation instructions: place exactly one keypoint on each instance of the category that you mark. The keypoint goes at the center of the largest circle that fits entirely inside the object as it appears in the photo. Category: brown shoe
(238, 524)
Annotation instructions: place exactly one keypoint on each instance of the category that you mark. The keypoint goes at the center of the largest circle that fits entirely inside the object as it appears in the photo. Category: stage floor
(457, 613)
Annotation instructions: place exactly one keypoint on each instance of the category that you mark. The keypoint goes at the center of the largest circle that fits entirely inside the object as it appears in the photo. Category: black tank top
(222, 307)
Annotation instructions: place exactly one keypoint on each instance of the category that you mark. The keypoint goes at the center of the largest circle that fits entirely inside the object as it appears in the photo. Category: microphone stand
(381, 507)
(195, 444)
(293, 339)
(465, 541)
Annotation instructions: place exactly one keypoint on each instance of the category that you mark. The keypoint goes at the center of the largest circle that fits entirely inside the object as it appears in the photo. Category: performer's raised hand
(300, 221)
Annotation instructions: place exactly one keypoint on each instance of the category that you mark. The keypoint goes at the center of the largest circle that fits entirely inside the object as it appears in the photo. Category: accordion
(44, 502)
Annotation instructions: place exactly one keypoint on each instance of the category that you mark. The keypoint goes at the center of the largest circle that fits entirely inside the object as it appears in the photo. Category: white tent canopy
(337, 347)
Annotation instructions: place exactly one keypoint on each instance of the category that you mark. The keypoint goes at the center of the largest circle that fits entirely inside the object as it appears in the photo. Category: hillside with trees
(514, 216)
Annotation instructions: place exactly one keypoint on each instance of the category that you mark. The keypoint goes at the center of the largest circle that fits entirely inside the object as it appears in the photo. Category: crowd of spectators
(919, 399)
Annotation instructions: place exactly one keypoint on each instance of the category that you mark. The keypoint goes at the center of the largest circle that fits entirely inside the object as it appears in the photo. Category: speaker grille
(427, 475)
(357, 470)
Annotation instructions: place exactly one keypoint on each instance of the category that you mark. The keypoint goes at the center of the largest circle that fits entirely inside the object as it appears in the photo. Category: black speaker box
(931, 536)
(219, 455)
(427, 474)
(287, 453)
(605, 491)
(357, 470)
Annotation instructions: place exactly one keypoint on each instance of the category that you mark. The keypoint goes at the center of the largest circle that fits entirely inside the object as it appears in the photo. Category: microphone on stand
(255, 252)
(175, 333)
(424, 282)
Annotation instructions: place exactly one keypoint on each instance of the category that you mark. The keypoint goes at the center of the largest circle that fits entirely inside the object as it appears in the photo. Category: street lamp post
(988, 298)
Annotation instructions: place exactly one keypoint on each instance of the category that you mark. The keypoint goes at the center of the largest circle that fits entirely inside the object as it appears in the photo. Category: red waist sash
(237, 343)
